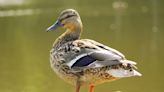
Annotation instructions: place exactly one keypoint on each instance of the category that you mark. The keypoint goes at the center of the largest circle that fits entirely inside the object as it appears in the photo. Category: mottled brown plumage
(84, 61)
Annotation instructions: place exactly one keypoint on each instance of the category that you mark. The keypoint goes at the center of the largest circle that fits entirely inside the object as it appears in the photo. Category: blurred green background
(134, 27)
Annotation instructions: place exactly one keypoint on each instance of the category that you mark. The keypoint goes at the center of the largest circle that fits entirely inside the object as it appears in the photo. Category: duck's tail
(126, 70)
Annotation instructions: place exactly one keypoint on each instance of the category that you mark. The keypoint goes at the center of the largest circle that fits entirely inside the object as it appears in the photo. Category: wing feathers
(84, 61)
(105, 55)
(93, 54)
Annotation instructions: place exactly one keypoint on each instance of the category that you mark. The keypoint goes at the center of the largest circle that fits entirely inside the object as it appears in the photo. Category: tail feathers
(136, 73)
(127, 62)
(121, 72)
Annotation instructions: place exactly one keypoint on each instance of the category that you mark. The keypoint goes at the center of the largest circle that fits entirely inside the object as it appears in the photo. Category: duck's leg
(77, 86)
(91, 88)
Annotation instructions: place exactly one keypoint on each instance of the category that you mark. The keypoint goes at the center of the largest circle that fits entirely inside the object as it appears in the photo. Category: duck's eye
(62, 24)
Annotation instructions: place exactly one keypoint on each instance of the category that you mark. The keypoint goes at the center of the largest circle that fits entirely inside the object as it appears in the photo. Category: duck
(84, 61)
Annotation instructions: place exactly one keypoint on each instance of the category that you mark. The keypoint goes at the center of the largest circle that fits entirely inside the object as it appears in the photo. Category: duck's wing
(92, 54)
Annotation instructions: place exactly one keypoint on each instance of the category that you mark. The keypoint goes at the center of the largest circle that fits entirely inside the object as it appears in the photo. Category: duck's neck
(69, 35)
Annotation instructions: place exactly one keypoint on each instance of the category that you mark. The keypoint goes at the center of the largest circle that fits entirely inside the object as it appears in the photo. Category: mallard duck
(85, 61)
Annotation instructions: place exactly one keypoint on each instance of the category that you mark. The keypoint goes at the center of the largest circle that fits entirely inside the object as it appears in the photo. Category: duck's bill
(54, 26)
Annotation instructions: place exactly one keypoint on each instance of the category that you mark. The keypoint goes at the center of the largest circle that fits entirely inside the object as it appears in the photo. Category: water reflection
(119, 4)
(11, 2)
(119, 7)
(19, 12)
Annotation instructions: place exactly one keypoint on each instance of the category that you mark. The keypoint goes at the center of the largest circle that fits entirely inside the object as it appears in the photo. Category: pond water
(134, 27)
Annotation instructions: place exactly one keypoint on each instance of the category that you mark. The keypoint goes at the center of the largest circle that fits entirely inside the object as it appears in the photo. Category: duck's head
(68, 19)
